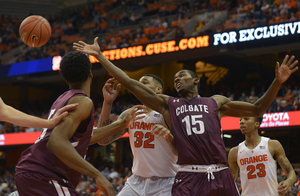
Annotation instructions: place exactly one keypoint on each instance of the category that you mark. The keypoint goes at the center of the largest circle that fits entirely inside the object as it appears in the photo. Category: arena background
(225, 63)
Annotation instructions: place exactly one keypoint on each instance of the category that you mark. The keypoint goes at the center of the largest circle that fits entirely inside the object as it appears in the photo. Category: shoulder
(220, 99)
(274, 144)
(233, 152)
(85, 105)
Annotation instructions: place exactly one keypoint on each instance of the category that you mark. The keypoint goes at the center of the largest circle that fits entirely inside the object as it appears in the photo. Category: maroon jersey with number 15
(197, 131)
(38, 158)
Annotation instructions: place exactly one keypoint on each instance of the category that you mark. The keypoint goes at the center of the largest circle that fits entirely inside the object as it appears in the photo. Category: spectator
(113, 174)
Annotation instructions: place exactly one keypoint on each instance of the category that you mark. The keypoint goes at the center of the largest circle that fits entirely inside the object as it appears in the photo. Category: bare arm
(107, 134)
(60, 139)
(14, 116)
(232, 161)
(243, 109)
(142, 93)
(110, 94)
(285, 164)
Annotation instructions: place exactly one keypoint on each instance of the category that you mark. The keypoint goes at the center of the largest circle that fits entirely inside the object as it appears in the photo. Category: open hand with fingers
(287, 67)
(283, 188)
(61, 113)
(93, 50)
(160, 130)
(132, 114)
(111, 90)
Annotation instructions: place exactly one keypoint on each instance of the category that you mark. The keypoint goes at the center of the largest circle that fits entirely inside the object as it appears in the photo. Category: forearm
(263, 103)
(104, 118)
(291, 177)
(112, 138)
(107, 131)
(71, 158)
(117, 73)
(141, 92)
(14, 116)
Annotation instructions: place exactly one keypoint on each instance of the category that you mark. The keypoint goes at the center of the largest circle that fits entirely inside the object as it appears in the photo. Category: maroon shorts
(34, 183)
(196, 184)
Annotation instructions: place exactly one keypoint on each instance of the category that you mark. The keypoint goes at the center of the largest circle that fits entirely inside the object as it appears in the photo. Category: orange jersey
(257, 170)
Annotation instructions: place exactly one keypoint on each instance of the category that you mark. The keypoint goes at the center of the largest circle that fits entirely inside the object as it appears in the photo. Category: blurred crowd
(118, 24)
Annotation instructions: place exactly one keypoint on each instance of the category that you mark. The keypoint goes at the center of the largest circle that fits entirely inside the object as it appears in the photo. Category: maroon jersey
(39, 158)
(197, 131)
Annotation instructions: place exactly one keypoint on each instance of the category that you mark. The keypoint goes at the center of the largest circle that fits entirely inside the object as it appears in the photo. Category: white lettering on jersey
(191, 108)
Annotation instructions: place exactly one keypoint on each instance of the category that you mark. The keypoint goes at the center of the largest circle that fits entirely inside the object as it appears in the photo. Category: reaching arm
(110, 94)
(60, 139)
(14, 116)
(232, 161)
(143, 93)
(243, 109)
(285, 165)
(107, 134)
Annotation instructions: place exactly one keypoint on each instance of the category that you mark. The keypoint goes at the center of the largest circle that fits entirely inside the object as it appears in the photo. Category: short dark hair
(192, 73)
(75, 67)
(156, 79)
(258, 119)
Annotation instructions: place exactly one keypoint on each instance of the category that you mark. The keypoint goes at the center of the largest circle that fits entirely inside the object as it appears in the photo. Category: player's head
(186, 81)
(250, 124)
(75, 67)
(153, 82)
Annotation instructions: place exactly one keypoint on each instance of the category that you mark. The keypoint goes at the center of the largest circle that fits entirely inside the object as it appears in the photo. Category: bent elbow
(51, 144)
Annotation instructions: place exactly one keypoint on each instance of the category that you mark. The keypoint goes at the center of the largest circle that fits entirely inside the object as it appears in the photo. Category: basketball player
(154, 164)
(54, 164)
(14, 116)
(195, 123)
(254, 158)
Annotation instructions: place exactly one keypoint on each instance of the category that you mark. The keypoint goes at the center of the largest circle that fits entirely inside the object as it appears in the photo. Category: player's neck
(189, 95)
(83, 87)
(252, 140)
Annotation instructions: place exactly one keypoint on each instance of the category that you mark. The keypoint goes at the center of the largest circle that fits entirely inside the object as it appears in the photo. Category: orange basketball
(35, 31)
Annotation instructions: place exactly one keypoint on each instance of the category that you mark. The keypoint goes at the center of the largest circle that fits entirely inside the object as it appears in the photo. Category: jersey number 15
(195, 120)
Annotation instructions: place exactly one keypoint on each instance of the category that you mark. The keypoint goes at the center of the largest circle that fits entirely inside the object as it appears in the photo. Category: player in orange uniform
(256, 159)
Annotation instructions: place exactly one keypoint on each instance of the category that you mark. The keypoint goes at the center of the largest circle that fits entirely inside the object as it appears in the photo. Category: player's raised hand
(111, 90)
(287, 67)
(93, 50)
(61, 113)
(134, 113)
(160, 130)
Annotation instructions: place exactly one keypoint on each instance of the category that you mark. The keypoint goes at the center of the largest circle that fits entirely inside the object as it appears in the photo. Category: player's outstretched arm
(110, 93)
(232, 161)
(14, 116)
(243, 109)
(141, 92)
(109, 133)
(59, 143)
(285, 165)
(160, 130)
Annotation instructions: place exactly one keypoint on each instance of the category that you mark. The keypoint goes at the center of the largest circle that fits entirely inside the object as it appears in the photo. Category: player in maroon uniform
(195, 124)
(54, 164)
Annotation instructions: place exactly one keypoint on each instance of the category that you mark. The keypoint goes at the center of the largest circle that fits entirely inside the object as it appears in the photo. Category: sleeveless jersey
(152, 155)
(197, 131)
(257, 169)
(38, 158)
